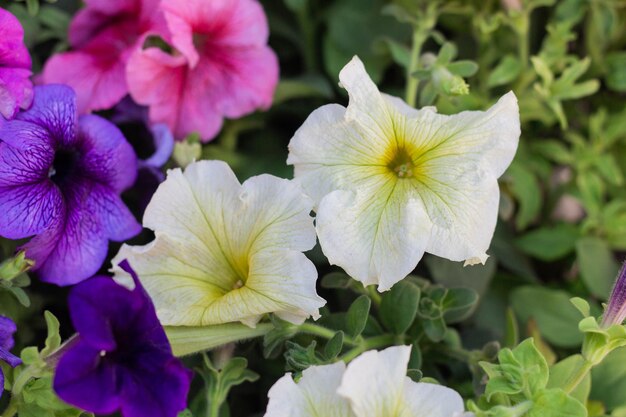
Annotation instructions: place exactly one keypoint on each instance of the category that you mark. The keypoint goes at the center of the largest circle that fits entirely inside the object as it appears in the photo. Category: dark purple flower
(153, 145)
(615, 312)
(122, 360)
(60, 180)
(16, 89)
(7, 328)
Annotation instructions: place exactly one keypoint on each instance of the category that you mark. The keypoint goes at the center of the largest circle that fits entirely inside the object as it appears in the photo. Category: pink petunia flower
(103, 35)
(222, 66)
(16, 89)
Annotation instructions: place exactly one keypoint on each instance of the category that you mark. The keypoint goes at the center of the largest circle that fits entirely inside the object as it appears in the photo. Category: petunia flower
(121, 359)
(222, 66)
(16, 89)
(615, 312)
(225, 251)
(7, 328)
(60, 180)
(373, 385)
(102, 36)
(153, 144)
(391, 182)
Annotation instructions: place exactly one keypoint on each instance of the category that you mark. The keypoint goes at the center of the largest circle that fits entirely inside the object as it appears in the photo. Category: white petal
(374, 383)
(315, 395)
(227, 252)
(430, 400)
(329, 154)
(377, 233)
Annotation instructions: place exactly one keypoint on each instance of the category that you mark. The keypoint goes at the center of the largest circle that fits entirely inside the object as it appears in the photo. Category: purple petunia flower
(16, 89)
(121, 360)
(7, 328)
(153, 144)
(60, 180)
(615, 312)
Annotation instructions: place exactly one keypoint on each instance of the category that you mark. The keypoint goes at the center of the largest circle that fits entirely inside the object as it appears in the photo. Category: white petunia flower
(391, 182)
(373, 385)
(225, 251)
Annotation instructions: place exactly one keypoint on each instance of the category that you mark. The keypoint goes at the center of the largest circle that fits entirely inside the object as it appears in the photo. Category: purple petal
(29, 165)
(109, 157)
(28, 136)
(54, 108)
(164, 144)
(74, 248)
(118, 222)
(9, 358)
(30, 209)
(159, 390)
(7, 328)
(87, 380)
(101, 309)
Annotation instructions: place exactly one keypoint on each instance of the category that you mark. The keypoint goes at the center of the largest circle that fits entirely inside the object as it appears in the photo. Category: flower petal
(214, 257)
(83, 379)
(430, 400)
(108, 157)
(54, 108)
(374, 383)
(156, 390)
(315, 394)
(378, 233)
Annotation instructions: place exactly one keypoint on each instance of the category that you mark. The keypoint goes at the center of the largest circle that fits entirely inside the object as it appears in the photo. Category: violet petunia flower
(153, 145)
(7, 328)
(222, 66)
(16, 88)
(102, 36)
(60, 181)
(615, 312)
(121, 359)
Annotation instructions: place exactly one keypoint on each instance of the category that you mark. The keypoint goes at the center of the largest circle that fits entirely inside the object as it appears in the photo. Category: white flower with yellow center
(373, 385)
(224, 251)
(391, 182)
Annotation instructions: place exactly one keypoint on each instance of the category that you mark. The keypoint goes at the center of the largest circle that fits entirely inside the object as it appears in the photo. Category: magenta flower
(7, 328)
(615, 312)
(222, 67)
(16, 89)
(60, 181)
(121, 360)
(102, 35)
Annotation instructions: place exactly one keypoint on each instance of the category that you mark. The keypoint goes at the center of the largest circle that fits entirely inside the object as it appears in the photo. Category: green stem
(11, 409)
(374, 295)
(307, 26)
(367, 344)
(419, 37)
(323, 332)
(578, 377)
(214, 409)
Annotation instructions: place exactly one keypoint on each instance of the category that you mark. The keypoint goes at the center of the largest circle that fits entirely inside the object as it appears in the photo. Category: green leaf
(463, 68)
(302, 88)
(598, 268)
(357, 315)
(53, 340)
(507, 70)
(616, 71)
(536, 372)
(525, 188)
(399, 306)
(562, 372)
(333, 346)
(549, 243)
(556, 317)
(556, 403)
(458, 304)
(609, 380)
